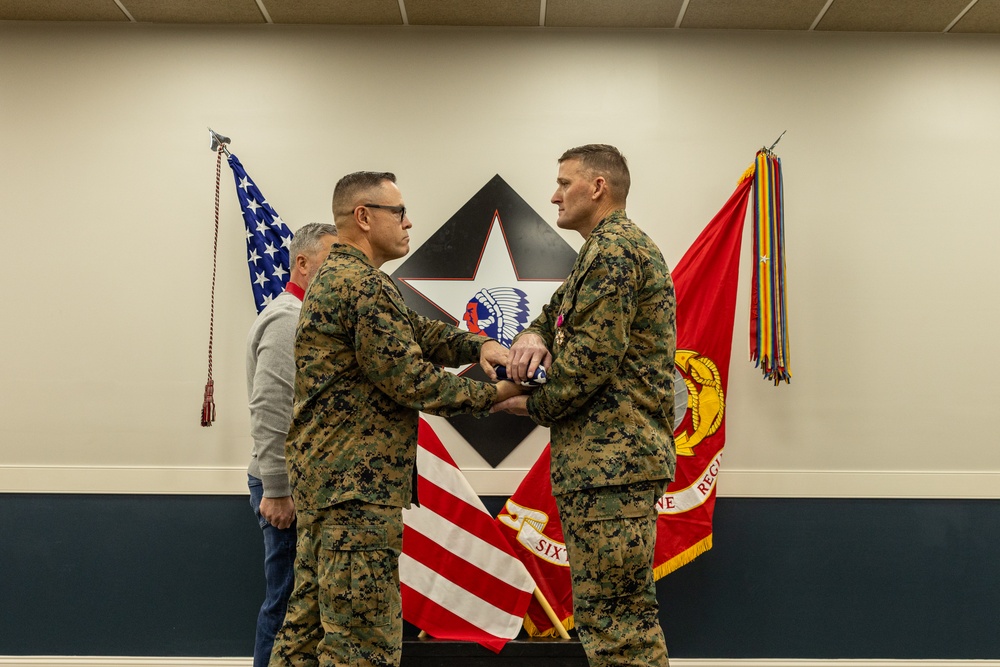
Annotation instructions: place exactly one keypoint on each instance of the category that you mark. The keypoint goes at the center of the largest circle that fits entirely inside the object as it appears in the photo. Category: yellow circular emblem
(706, 403)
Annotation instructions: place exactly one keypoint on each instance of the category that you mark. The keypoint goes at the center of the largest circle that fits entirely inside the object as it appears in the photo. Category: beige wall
(892, 165)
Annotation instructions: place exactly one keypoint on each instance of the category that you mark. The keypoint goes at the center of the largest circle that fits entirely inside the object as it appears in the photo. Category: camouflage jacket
(366, 364)
(611, 328)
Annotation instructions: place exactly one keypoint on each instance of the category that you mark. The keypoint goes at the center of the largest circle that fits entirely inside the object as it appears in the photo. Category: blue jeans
(279, 558)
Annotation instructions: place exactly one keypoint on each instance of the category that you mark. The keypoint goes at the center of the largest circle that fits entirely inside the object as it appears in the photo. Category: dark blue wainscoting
(787, 578)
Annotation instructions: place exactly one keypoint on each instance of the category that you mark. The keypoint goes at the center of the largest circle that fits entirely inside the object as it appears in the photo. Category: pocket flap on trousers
(628, 505)
(355, 538)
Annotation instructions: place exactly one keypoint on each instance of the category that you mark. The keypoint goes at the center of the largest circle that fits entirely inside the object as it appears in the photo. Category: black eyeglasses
(399, 210)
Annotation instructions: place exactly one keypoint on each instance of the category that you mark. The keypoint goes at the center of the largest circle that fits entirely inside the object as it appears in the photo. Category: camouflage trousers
(610, 538)
(345, 607)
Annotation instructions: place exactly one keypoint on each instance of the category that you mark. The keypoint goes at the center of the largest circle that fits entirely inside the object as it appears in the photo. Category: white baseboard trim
(807, 483)
(219, 480)
(95, 661)
(859, 484)
(170, 480)
(100, 661)
(792, 662)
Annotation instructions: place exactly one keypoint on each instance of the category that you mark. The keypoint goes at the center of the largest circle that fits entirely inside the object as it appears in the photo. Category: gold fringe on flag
(768, 306)
(683, 558)
(533, 630)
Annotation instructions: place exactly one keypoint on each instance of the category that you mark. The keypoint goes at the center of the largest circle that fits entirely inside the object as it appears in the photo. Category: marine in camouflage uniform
(366, 364)
(608, 400)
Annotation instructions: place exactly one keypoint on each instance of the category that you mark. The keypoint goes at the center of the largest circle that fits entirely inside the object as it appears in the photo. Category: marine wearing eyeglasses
(366, 364)
(398, 210)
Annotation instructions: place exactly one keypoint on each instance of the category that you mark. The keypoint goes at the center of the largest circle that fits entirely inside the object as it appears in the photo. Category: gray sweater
(271, 389)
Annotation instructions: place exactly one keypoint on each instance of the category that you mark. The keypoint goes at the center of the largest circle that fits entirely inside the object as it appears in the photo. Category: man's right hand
(526, 354)
(279, 512)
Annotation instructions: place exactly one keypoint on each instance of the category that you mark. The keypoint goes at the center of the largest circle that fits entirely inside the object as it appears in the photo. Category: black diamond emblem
(454, 253)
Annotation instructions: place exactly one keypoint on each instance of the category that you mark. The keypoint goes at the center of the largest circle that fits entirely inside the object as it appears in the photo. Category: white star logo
(495, 269)
(279, 271)
(261, 227)
(261, 280)
(270, 250)
(254, 257)
(763, 259)
(245, 183)
(286, 241)
(267, 299)
(253, 206)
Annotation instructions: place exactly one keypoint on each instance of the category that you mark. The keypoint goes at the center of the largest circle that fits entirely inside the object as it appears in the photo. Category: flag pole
(556, 623)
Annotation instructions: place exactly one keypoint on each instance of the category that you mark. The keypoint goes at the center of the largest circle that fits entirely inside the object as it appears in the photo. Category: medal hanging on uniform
(560, 332)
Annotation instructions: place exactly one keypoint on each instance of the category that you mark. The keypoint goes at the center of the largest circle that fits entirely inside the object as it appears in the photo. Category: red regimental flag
(530, 522)
(458, 576)
(705, 281)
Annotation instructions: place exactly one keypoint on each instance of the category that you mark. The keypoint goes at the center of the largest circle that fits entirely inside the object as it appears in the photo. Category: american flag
(268, 239)
(459, 578)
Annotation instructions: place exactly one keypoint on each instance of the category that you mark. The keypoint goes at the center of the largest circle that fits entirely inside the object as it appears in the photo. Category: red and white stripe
(458, 575)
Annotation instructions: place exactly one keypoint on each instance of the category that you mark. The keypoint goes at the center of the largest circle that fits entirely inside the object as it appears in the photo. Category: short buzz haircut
(349, 187)
(605, 160)
(306, 241)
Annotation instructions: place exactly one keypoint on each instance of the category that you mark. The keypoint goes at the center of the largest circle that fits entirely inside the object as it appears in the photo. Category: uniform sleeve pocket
(357, 576)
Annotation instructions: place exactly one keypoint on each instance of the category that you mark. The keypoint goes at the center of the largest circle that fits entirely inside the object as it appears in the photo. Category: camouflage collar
(616, 217)
(345, 249)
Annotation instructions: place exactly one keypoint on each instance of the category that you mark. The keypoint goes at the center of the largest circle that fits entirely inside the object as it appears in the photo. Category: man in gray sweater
(271, 389)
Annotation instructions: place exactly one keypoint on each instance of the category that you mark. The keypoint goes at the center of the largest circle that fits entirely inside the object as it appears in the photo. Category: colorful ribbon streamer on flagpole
(768, 304)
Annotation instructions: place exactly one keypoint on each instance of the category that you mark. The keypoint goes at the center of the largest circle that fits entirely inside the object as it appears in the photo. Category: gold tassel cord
(208, 400)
